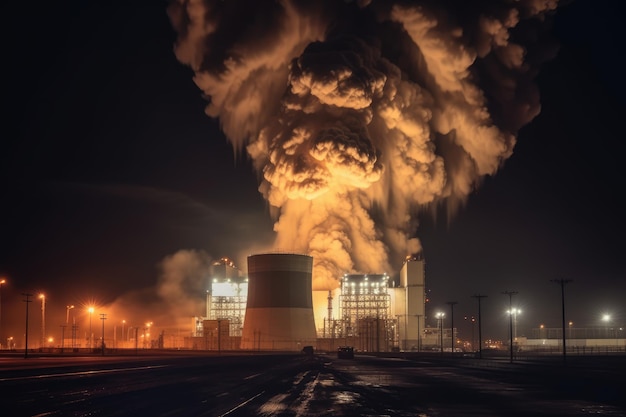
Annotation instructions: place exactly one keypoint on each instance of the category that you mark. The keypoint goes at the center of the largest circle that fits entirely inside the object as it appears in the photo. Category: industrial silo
(279, 310)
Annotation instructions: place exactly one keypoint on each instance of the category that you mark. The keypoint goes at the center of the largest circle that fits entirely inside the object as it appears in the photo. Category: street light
(440, 317)
(43, 319)
(67, 314)
(90, 310)
(607, 319)
(514, 312)
(27, 301)
(472, 320)
(2, 282)
(480, 325)
(103, 317)
(451, 304)
(510, 294)
(562, 283)
(67, 321)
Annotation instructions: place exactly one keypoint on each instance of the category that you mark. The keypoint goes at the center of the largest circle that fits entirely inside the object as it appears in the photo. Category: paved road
(295, 385)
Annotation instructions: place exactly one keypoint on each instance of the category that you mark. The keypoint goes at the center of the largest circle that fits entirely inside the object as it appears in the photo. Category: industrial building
(375, 312)
(275, 308)
(579, 340)
(227, 295)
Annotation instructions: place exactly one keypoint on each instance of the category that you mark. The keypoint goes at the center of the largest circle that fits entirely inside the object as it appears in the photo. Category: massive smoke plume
(358, 115)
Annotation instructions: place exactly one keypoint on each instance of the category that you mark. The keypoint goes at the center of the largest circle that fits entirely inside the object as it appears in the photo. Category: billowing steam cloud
(359, 114)
(182, 276)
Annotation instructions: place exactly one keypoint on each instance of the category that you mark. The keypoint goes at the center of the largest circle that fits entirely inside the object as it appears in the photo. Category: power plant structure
(275, 308)
(227, 295)
(408, 303)
(365, 307)
(279, 310)
(376, 312)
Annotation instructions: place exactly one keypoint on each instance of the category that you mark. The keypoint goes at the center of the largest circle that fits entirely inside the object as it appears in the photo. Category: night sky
(113, 177)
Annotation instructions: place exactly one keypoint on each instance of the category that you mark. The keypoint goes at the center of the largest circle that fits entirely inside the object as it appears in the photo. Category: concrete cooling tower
(279, 310)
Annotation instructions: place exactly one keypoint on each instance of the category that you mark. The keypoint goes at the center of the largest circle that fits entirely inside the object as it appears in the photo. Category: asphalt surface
(200, 384)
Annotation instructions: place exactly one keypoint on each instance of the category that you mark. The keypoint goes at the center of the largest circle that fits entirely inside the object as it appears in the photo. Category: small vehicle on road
(345, 352)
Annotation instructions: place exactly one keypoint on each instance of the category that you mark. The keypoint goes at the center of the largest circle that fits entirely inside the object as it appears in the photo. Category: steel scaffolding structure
(231, 308)
(365, 311)
(227, 295)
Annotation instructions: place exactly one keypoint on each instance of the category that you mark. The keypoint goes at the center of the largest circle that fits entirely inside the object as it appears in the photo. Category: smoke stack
(279, 311)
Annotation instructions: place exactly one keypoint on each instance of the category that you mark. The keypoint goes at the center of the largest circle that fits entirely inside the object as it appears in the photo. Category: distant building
(578, 339)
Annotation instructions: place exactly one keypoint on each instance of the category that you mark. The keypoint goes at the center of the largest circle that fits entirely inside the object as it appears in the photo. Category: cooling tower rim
(279, 252)
(283, 262)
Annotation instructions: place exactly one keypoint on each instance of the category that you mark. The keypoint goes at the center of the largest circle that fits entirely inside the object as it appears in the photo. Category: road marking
(103, 371)
(241, 404)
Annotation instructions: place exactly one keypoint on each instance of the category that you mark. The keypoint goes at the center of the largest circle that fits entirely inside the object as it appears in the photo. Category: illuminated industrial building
(274, 309)
(376, 313)
(365, 308)
(227, 296)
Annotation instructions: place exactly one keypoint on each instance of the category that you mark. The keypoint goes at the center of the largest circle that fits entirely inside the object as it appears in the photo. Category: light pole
(63, 326)
(103, 317)
(510, 294)
(562, 283)
(472, 320)
(440, 317)
(27, 300)
(67, 314)
(74, 328)
(451, 304)
(516, 312)
(2, 282)
(43, 320)
(90, 310)
(480, 326)
(123, 337)
(607, 319)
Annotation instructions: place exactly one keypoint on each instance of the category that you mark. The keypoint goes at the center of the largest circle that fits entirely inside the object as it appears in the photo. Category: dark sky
(109, 166)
